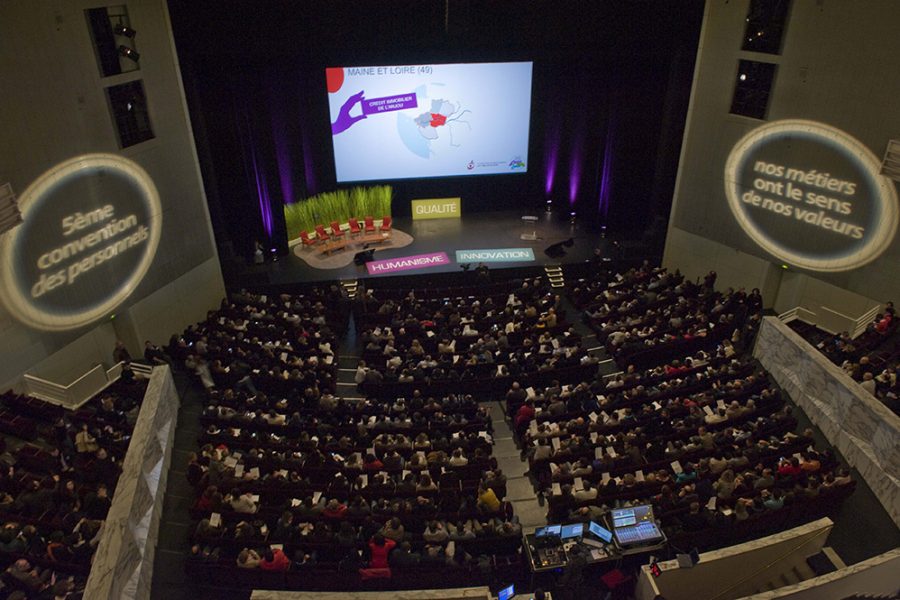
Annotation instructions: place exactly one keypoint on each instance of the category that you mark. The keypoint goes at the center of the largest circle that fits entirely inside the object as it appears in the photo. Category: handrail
(863, 322)
(855, 325)
(795, 313)
(86, 386)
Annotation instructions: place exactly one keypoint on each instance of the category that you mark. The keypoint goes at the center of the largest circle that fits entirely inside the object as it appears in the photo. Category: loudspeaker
(556, 250)
(361, 258)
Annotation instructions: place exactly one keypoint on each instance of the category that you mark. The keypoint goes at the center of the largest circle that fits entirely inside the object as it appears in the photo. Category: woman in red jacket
(275, 560)
(380, 547)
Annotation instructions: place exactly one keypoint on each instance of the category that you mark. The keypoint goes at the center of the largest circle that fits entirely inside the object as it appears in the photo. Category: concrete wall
(838, 64)
(54, 107)
(739, 570)
(122, 567)
(875, 577)
(863, 429)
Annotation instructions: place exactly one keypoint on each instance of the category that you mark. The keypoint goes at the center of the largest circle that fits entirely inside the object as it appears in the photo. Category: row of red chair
(336, 232)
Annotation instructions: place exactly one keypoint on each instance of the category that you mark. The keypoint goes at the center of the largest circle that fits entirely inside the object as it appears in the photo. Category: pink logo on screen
(406, 263)
(471, 165)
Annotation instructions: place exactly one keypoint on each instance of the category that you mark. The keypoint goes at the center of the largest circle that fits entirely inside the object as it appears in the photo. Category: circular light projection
(811, 195)
(91, 228)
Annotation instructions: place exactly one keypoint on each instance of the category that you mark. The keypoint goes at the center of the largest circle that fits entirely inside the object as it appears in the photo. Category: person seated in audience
(487, 500)
(334, 509)
(458, 459)
(696, 519)
(274, 559)
(435, 533)
(85, 443)
(248, 558)
(242, 502)
(772, 500)
(404, 556)
(33, 580)
(393, 530)
(379, 550)
(789, 467)
(155, 355)
(426, 484)
(96, 504)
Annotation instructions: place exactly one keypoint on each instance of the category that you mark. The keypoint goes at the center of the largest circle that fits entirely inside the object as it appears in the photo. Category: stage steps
(350, 287)
(555, 276)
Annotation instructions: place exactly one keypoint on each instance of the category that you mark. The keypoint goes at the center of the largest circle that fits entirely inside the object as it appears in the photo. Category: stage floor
(478, 231)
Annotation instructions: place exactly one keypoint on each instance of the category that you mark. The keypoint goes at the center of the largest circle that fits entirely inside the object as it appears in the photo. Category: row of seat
(321, 235)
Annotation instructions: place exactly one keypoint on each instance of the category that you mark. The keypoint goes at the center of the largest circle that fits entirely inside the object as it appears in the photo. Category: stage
(475, 231)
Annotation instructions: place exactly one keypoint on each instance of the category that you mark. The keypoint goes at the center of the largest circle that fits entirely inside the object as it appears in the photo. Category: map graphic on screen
(410, 121)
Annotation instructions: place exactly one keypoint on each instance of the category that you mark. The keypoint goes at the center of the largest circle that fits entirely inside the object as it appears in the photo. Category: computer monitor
(625, 517)
(601, 532)
(506, 593)
(635, 526)
(572, 531)
(548, 530)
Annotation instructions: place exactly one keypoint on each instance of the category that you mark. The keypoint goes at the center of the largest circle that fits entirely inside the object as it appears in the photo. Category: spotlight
(743, 77)
(274, 253)
(549, 205)
(572, 217)
(124, 30)
(603, 231)
(129, 53)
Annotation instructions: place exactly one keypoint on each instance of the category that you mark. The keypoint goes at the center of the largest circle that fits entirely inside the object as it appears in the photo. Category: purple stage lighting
(606, 174)
(551, 154)
(262, 190)
(575, 172)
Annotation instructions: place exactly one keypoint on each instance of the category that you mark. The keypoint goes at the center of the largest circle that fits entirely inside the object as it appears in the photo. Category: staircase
(555, 276)
(350, 287)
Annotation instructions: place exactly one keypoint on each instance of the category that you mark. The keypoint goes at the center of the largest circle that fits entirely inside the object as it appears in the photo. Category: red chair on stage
(336, 230)
(320, 233)
(354, 226)
(370, 225)
(385, 225)
(304, 237)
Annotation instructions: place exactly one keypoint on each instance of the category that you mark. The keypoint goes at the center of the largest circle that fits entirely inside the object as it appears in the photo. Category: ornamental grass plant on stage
(339, 205)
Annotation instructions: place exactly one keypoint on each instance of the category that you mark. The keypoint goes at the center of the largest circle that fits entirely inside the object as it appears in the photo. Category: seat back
(354, 225)
(336, 227)
(386, 223)
(320, 230)
(370, 223)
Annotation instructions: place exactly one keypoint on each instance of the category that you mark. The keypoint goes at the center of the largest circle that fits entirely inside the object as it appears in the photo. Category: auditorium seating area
(300, 483)
(692, 426)
(58, 474)
(287, 467)
(466, 340)
(647, 315)
(872, 359)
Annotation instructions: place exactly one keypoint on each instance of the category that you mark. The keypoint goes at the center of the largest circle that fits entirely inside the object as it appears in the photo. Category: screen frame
(387, 180)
